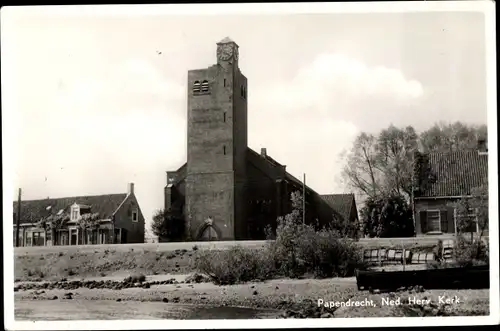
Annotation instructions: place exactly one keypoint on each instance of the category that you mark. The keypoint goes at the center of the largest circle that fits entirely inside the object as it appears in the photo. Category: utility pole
(18, 219)
(304, 200)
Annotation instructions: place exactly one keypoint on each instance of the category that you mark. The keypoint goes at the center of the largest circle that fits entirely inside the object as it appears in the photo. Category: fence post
(404, 257)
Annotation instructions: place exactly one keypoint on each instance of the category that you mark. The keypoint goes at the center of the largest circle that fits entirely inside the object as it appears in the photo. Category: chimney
(263, 152)
(130, 188)
(482, 145)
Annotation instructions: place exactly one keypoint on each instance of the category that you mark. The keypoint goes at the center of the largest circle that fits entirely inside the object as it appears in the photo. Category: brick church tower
(215, 185)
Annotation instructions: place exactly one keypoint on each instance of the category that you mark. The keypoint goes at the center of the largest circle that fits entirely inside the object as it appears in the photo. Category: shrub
(235, 265)
(469, 253)
(326, 254)
(298, 249)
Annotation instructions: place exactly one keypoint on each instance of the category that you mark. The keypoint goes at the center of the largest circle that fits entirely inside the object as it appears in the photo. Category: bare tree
(361, 171)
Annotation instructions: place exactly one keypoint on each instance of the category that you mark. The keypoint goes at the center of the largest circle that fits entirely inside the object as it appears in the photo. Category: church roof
(226, 40)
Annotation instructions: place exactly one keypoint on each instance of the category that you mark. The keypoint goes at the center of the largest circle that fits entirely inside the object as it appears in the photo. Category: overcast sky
(95, 106)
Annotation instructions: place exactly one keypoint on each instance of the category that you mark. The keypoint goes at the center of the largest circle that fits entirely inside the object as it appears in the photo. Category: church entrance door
(209, 234)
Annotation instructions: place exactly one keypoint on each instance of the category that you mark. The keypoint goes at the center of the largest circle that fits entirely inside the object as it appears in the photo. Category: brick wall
(123, 219)
(446, 210)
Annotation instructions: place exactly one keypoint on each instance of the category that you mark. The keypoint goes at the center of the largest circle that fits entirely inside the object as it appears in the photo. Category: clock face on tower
(225, 52)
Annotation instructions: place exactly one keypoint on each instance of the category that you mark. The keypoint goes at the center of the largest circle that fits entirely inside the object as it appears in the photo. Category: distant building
(225, 190)
(115, 218)
(444, 179)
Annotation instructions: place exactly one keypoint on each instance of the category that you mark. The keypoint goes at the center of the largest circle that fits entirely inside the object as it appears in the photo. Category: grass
(51, 263)
(53, 266)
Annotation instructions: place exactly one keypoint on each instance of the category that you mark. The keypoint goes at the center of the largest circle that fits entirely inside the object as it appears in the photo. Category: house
(226, 190)
(442, 179)
(100, 219)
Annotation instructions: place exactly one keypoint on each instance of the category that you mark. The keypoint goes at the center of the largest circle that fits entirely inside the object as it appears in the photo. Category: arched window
(204, 86)
(196, 87)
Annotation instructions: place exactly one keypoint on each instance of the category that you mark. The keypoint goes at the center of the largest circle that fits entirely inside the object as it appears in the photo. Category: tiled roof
(455, 173)
(34, 210)
(342, 203)
(273, 166)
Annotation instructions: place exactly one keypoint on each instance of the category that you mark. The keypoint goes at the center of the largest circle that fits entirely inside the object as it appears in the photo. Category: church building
(225, 190)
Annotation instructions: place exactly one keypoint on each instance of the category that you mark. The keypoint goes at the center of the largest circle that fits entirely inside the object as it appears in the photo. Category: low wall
(165, 247)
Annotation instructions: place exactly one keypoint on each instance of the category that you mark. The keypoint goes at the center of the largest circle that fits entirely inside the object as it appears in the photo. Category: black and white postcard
(289, 165)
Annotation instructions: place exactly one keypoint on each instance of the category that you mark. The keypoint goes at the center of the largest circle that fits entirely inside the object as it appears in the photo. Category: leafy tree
(89, 221)
(387, 216)
(447, 137)
(472, 217)
(57, 222)
(43, 223)
(168, 224)
(395, 150)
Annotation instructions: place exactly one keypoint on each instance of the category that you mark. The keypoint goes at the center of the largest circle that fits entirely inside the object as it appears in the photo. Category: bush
(469, 253)
(235, 265)
(298, 249)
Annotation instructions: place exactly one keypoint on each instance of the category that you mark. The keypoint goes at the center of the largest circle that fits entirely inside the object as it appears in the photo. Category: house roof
(34, 210)
(455, 173)
(341, 203)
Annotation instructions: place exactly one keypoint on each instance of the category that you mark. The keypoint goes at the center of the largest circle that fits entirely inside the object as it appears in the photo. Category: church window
(196, 87)
(242, 91)
(224, 117)
(224, 82)
(204, 86)
(224, 149)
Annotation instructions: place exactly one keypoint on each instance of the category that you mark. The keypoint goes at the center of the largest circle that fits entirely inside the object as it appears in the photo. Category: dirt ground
(277, 296)
(115, 262)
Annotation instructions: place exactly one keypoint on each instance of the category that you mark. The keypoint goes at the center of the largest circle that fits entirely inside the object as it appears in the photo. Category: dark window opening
(204, 86)
(224, 117)
(224, 82)
(242, 90)
(196, 87)
(224, 149)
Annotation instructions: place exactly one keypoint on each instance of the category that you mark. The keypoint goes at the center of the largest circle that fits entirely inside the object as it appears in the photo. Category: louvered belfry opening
(204, 86)
(196, 87)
